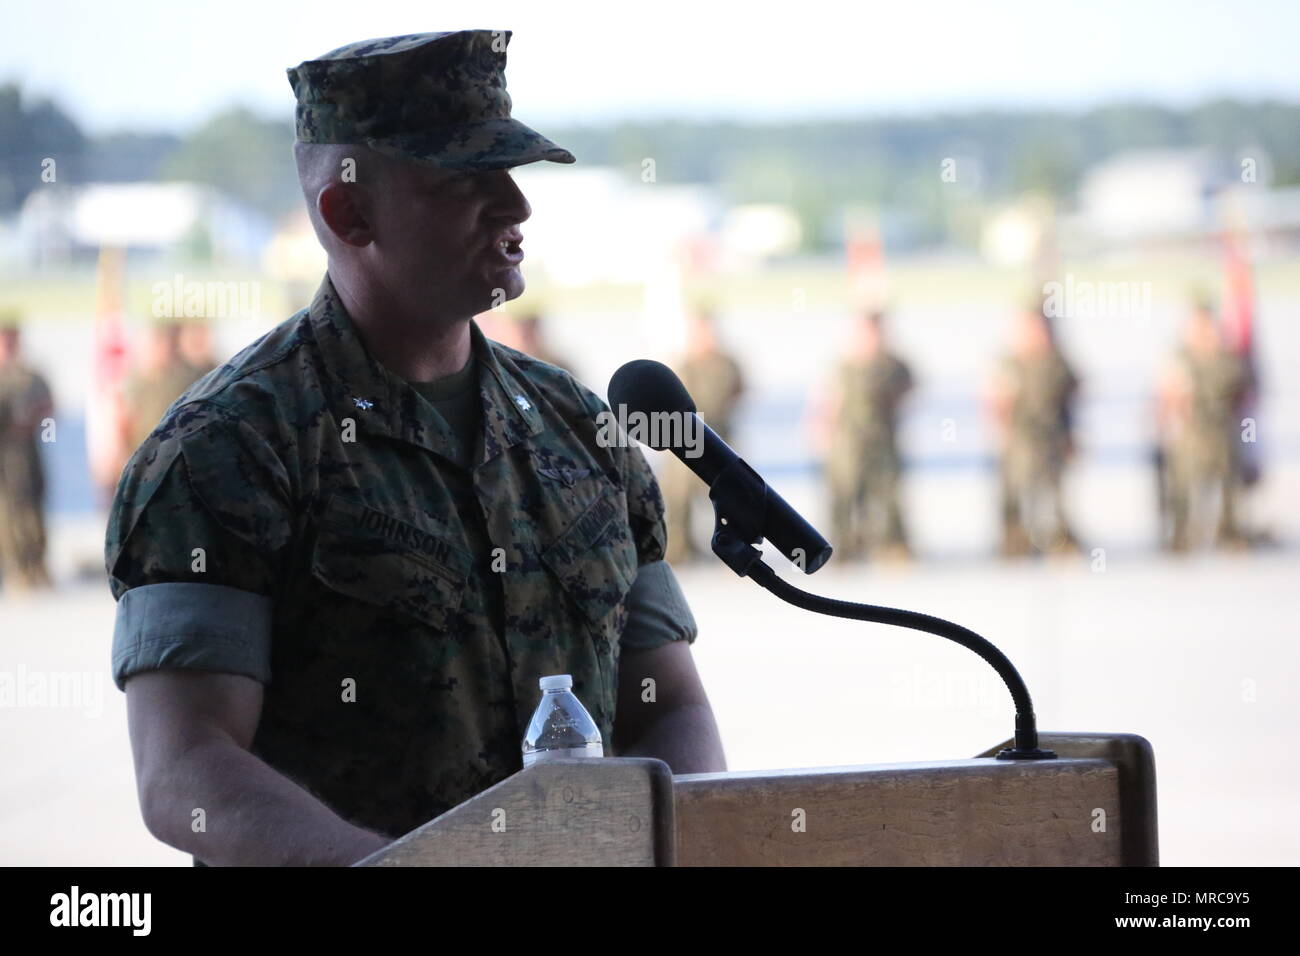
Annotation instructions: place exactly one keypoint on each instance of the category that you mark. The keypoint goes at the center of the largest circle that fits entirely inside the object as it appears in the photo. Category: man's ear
(342, 209)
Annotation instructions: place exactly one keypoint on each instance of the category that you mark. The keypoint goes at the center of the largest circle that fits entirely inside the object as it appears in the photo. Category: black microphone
(748, 508)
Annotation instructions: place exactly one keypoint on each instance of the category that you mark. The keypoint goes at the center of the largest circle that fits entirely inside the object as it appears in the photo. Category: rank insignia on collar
(522, 403)
(363, 403)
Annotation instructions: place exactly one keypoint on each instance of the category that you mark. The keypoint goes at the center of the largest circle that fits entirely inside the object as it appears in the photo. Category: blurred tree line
(818, 168)
(896, 164)
(30, 133)
(246, 156)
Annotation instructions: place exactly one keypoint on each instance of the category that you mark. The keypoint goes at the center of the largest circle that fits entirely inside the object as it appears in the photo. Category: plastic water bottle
(561, 726)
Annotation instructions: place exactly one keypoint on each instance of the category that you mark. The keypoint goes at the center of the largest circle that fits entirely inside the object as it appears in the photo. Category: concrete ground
(1198, 656)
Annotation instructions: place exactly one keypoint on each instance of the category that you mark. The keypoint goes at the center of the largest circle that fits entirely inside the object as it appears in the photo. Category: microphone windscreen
(648, 387)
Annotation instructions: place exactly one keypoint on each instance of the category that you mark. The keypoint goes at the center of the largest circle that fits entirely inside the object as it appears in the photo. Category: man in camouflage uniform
(1200, 394)
(1033, 398)
(25, 403)
(196, 347)
(863, 465)
(534, 341)
(344, 561)
(161, 378)
(714, 380)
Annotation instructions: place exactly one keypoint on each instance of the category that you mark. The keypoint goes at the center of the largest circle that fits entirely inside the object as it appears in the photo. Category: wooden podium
(1093, 806)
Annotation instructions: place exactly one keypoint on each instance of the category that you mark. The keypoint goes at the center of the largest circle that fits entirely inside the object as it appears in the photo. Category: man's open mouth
(509, 248)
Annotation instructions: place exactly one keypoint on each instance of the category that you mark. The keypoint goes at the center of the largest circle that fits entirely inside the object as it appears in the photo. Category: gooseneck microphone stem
(746, 512)
(730, 548)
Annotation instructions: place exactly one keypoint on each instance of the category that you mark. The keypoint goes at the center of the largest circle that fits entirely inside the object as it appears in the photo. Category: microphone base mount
(1015, 753)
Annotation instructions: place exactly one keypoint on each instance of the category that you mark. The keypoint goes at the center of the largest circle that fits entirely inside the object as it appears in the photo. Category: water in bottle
(561, 726)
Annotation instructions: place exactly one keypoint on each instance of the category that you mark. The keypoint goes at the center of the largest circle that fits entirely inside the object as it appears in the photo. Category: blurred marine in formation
(533, 340)
(165, 372)
(196, 347)
(863, 466)
(715, 381)
(1200, 394)
(1032, 398)
(25, 402)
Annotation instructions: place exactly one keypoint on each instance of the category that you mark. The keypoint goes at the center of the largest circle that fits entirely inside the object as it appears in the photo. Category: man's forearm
(252, 814)
(686, 738)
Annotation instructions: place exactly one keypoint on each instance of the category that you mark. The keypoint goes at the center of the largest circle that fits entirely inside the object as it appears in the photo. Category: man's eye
(448, 177)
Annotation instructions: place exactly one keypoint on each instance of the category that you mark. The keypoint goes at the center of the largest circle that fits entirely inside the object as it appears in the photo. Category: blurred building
(599, 225)
(753, 233)
(294, 257)
(1271, 215)
(1149, 194)
(1181, 200)
(63, 225)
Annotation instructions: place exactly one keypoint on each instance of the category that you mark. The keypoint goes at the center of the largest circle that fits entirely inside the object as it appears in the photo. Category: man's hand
(669, 717)
(190, 733)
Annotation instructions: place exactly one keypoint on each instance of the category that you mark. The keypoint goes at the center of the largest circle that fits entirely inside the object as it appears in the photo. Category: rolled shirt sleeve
(198, 525)
(192, 626)
(657, 612)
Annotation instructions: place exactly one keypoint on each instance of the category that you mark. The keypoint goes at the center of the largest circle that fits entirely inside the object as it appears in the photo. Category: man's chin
(509, 284)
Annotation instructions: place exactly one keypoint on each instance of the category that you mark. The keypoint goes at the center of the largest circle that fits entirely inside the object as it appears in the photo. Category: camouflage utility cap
(436, 98)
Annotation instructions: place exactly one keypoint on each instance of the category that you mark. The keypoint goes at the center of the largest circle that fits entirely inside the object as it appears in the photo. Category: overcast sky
(164, 64)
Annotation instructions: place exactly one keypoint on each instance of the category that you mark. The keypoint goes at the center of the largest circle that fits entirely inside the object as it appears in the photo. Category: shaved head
(322, 164)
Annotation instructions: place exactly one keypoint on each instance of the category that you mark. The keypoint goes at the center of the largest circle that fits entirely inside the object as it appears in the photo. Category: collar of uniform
(360, 387)
(382, 403)
(509, 402)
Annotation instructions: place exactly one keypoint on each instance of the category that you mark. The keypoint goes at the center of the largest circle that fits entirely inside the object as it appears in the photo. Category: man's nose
(508, 200)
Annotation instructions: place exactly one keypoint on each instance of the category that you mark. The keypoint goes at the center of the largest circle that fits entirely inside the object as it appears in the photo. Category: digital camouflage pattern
(864, 467)
(1217, 382)
(148, 395)
(25, 400)
(1038, 443)
(361, 548)
(544, 353)
(437, 98)
(1204, 455)
(1039, 432)
(869, 393)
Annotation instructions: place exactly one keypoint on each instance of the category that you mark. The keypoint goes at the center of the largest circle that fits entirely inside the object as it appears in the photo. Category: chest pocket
(595, 561)
(393, 563)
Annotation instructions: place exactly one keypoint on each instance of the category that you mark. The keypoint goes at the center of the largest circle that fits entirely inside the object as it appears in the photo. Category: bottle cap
(556, 682)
